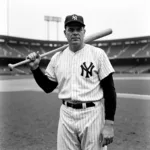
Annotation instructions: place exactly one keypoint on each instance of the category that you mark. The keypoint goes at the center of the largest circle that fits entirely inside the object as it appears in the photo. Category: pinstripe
(78, 75)
(80, 129)
(65, 69)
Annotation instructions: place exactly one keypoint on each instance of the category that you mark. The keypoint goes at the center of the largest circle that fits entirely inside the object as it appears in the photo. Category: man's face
(75, 33)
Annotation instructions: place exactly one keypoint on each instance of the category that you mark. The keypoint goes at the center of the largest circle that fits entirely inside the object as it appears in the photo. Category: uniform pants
(79, 129)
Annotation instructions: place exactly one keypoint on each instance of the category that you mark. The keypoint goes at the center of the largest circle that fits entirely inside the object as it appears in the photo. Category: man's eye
(76, 29)
(79, 29)
(70, 29)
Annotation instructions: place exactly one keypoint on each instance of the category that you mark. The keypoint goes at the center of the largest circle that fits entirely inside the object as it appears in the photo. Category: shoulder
(56, 56)
(94, 50)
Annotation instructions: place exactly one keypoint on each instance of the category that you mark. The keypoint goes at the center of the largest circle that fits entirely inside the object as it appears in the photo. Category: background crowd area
(129, 55)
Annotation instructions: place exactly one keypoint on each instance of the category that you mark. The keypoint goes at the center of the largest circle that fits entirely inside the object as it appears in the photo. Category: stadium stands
(3, 52)
(9, 51)
(131, 50)
(144, 52)
(21, 49)
(115, 50)
(126, 50)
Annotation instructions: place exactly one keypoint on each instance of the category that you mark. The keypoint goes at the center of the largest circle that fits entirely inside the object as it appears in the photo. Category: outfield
(29, 117)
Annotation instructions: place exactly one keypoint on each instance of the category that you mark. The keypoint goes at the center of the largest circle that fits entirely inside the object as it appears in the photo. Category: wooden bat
(88, 39)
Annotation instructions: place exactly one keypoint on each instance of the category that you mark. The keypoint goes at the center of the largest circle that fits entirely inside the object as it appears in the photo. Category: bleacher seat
(145, 52)
(115, 50)
(131, 50)
(10, 51)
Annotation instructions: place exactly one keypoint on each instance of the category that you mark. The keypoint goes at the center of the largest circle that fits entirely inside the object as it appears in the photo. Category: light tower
(53, 19)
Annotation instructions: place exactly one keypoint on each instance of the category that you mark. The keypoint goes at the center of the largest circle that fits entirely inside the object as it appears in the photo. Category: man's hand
(107, 133)
(35, 60)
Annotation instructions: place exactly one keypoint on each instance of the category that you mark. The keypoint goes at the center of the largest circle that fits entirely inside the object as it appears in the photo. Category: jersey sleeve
(105, 66)
(50, 70)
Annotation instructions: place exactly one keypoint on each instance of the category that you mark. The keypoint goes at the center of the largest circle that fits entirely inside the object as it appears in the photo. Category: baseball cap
(74, 18)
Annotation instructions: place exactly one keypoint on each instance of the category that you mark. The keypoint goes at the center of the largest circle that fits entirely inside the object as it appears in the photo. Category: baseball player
(83, 75)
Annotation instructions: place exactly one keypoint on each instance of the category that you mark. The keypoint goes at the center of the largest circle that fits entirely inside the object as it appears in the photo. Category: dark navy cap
(74, 18)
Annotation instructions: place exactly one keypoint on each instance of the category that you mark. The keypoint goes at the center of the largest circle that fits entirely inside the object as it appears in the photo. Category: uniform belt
(78, 105)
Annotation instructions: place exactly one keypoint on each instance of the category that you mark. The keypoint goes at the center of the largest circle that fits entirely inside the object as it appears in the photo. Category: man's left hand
(107, 134)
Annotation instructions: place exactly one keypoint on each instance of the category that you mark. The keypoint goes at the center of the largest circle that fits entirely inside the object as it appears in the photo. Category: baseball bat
(87, 39)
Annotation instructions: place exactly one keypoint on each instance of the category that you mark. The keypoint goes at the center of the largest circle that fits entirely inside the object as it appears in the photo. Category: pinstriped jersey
(79, 73)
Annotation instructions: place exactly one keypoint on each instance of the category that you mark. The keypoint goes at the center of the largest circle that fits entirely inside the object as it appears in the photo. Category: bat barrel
(98, 35)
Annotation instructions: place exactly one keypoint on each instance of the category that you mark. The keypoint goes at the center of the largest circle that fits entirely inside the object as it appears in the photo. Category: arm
(110, 107)
(108, 87)
(43, 81)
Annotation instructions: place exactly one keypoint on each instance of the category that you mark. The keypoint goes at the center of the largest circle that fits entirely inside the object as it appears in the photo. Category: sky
(25, 18)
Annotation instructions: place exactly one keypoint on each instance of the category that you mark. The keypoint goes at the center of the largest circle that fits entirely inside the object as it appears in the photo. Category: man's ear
(65, 32)
(84, 31)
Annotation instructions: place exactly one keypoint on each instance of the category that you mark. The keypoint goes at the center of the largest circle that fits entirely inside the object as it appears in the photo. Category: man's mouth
(75, 38)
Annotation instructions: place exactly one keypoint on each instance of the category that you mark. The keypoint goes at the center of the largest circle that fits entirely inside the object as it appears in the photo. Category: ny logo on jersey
(86, 69)
(74, 17)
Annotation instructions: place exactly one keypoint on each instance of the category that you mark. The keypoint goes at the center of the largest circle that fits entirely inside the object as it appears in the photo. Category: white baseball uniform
(78, 75)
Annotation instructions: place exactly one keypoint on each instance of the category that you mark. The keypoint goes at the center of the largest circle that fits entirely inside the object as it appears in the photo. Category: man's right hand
(35, 60)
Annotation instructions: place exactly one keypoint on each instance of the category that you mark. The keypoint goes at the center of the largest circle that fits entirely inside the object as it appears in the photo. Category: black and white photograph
(74, 75)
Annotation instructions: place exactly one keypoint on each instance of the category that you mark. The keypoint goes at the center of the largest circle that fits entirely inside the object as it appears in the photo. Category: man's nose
(75, 32)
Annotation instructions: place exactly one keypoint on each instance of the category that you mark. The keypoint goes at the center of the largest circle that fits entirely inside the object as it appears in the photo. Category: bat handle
(12, 66)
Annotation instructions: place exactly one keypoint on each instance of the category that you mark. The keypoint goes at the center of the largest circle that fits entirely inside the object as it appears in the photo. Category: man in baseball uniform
(83, 75)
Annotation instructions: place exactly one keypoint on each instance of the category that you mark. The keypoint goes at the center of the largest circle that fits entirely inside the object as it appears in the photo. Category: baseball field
(29, 117)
